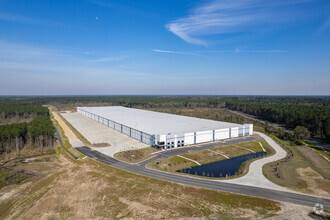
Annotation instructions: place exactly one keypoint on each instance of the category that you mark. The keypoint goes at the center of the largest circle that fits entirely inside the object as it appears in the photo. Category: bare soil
(137, 155)
(305, 171)
(65, 128)
(319, 163)
(314, 181)
(101, 145)
(290, 211)
(86, 189)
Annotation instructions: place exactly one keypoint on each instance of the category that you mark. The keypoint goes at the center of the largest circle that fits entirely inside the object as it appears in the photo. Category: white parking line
(244, 148)
(220, 154)
(189, 159)
(325, 157)
(262, 147)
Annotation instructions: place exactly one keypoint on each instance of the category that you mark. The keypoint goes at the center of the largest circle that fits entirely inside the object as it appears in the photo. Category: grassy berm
(85, 189)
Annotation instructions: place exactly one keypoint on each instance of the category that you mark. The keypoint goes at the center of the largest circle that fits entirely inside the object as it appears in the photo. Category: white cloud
(18, 18)
(175, 52)
(228, 16)
(5, 16)
(197, 53)
(109, 59)
(33, 60)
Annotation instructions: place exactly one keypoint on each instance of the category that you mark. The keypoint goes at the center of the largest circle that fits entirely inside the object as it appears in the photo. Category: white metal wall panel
(118, 127)
(204, 136)
(221, 134)
(234, 132)
(251, 129)
(135, 134)
(180, 140)
(111, 124)
(126, 130)
(102, 121)
(248, 129)
(170, 140)
(147, 139)
(162, 138)
(189, 138)
(241, 131)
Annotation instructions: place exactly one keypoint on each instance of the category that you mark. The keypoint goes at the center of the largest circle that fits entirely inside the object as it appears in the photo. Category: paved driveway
(255, 176)
(95, 132)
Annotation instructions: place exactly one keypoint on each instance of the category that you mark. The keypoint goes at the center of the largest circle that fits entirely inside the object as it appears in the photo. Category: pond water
(221, 168)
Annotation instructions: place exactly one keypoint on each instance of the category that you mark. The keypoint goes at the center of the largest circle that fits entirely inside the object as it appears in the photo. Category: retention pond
(222, 168)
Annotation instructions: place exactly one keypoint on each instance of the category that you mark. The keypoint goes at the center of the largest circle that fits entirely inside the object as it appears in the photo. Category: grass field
(89, 189)
(317, 149)
(208, 156)
(304, 170)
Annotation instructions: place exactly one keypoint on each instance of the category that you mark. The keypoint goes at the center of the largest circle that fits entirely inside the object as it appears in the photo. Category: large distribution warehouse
(164, 130)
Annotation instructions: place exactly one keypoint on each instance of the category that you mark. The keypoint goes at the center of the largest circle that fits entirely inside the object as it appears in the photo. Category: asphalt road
(295, 198)
(182, 150)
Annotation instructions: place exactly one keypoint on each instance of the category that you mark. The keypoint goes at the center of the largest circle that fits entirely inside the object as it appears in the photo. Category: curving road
(283, 196)
(255, 176)
(279, 195)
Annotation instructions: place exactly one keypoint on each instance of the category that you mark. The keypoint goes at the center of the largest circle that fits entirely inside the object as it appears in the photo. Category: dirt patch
(315, 182)
(66, 129)
(290, 211)
(90, 190)
(101, 145)
(15, 191)
(136, 155)
(11, 191)
(319, 164)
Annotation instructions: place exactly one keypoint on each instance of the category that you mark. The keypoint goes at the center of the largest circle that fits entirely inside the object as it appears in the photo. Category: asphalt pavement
(282, 196)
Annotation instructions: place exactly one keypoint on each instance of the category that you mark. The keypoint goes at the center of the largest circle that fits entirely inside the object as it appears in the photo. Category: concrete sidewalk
(255, 176)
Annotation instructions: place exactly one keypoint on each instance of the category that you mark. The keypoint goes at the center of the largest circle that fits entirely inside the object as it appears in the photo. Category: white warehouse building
(164, 130)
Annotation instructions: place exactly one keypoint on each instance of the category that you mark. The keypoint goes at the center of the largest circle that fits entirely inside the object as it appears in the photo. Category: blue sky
(228, 47)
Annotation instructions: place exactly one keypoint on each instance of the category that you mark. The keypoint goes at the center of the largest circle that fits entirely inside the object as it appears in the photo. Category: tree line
(311, 112)
(315, 117)
(62, 102)
(13, 112)
(38, 132)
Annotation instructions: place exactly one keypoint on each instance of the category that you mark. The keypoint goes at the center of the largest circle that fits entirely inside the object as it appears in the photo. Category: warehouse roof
(156, 122)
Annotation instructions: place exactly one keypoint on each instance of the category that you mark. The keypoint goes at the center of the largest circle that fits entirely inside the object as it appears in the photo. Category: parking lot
(96, 133)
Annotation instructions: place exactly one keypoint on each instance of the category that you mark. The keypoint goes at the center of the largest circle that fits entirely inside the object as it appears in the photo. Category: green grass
(286, 167)
(317, 149)
(205, 156)
(316, 161)
(68, 147)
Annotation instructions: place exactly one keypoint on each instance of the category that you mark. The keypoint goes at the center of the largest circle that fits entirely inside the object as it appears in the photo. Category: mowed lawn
(208, 156)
